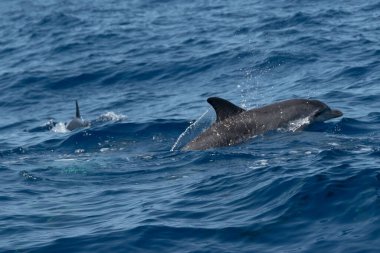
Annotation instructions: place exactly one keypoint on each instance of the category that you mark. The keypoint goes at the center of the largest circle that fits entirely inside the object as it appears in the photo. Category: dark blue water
(142, 71)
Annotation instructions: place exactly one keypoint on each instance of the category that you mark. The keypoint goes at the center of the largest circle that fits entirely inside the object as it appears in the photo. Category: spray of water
(60, 127)
(197, 127)
(111, 116)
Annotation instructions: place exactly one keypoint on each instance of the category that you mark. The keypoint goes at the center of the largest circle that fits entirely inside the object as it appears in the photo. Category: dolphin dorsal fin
(223, 108)
(77, 113)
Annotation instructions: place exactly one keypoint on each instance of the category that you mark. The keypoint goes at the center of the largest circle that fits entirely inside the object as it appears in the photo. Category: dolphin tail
(77, 113)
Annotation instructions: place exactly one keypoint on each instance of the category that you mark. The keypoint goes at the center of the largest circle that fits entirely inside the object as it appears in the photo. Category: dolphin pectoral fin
(223, 108)
(77, 113)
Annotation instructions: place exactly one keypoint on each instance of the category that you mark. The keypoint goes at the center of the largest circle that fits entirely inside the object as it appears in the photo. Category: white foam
(50, 124)
(65, 160)
(263, 162)
(259, 164)
(363, 150)
(111, 116)
(60, 128)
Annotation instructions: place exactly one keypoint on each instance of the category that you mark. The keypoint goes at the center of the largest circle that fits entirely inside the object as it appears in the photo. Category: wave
(109, 129)
(142, 70)
(281, 197)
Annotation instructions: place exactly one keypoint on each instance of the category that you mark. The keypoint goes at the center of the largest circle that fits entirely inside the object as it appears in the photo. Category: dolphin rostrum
(234, 124)
(77, 121)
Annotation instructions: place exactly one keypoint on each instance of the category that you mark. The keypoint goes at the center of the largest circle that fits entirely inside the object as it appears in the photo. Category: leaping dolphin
(77, 121)
(234, 124)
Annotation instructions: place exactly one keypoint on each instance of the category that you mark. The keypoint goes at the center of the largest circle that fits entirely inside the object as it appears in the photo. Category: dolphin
(234, 125)
(77, 121)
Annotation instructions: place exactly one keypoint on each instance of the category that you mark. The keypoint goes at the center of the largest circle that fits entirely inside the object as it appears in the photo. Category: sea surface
(141, 71)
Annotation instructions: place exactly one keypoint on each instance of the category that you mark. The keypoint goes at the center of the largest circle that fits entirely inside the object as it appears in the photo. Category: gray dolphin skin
(234, 124)
(77, 121)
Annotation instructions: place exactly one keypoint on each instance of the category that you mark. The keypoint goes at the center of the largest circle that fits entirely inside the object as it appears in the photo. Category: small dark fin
(223, 108)
(77, 114)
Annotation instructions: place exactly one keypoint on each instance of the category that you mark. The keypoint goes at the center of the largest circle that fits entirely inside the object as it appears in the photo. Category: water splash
(197, 127)
(111, 116)
(60, 127)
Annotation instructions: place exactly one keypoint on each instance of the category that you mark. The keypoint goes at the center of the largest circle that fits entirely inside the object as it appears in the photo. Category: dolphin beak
(336, 113)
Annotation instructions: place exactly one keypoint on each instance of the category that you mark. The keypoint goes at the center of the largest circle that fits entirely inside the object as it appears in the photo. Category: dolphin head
(324, 112)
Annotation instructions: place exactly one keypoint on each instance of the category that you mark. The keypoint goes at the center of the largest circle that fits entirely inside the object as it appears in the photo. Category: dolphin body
(234, 124)
(77, 121)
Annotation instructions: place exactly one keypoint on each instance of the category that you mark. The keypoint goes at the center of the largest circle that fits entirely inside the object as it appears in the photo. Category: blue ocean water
(142, 71)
